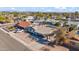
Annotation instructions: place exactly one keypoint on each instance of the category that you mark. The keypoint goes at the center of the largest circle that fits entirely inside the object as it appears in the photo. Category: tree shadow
(71, 48)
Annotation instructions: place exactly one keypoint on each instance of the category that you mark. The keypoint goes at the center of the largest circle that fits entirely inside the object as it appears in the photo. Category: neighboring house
(63, 17)
(77, 18)
(53, 17)
(30, 18)
(75, 22)
(68, 18)
(78, 26)
(17, 19)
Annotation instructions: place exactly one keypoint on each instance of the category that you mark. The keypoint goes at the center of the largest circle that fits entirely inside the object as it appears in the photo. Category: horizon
(40, 9)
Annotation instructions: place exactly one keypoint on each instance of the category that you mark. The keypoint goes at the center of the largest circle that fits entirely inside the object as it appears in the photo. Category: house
(53, 17)
(24, 23)
(30, 18)
(77, 18)
(63, 17)
(16, 19)
(78, 26)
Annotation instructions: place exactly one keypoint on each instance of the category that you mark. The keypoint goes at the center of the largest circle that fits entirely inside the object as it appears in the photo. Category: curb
(4, 31)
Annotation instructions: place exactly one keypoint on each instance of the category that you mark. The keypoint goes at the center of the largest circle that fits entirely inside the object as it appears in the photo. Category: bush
(57, 24)
(11, 28)
(2, 19)
(7, 21)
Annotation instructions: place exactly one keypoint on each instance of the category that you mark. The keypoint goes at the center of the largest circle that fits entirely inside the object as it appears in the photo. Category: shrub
(11, 28)
(57, 24)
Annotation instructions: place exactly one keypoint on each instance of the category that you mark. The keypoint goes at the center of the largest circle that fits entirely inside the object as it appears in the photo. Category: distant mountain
(40, 9)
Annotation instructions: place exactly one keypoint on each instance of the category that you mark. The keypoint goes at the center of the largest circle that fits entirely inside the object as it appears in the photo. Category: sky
(40, 9)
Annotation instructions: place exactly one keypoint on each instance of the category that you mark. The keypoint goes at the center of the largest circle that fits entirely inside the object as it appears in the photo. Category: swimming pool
(77, 32)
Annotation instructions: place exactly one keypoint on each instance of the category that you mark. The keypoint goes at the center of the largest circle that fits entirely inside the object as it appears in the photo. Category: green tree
(2, 19)
(57, 24)
(76, 14)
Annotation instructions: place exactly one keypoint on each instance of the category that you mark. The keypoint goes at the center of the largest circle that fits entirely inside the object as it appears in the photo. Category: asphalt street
(7, 43)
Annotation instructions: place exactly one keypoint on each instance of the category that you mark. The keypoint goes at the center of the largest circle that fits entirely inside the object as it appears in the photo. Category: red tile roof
(24, 24)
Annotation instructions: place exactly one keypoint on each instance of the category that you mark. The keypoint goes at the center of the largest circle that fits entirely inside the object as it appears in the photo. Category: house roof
(30, 17)
(24, 24)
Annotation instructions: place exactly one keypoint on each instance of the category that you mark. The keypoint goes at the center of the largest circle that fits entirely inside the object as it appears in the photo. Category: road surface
(9, 44)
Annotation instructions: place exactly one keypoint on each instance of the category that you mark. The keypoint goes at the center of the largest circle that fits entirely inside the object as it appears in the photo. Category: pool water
(39, 38)
(78, 32)
(36, 36)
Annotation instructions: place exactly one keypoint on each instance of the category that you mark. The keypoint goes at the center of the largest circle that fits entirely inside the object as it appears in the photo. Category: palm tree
(76, 14)
(60, 37)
